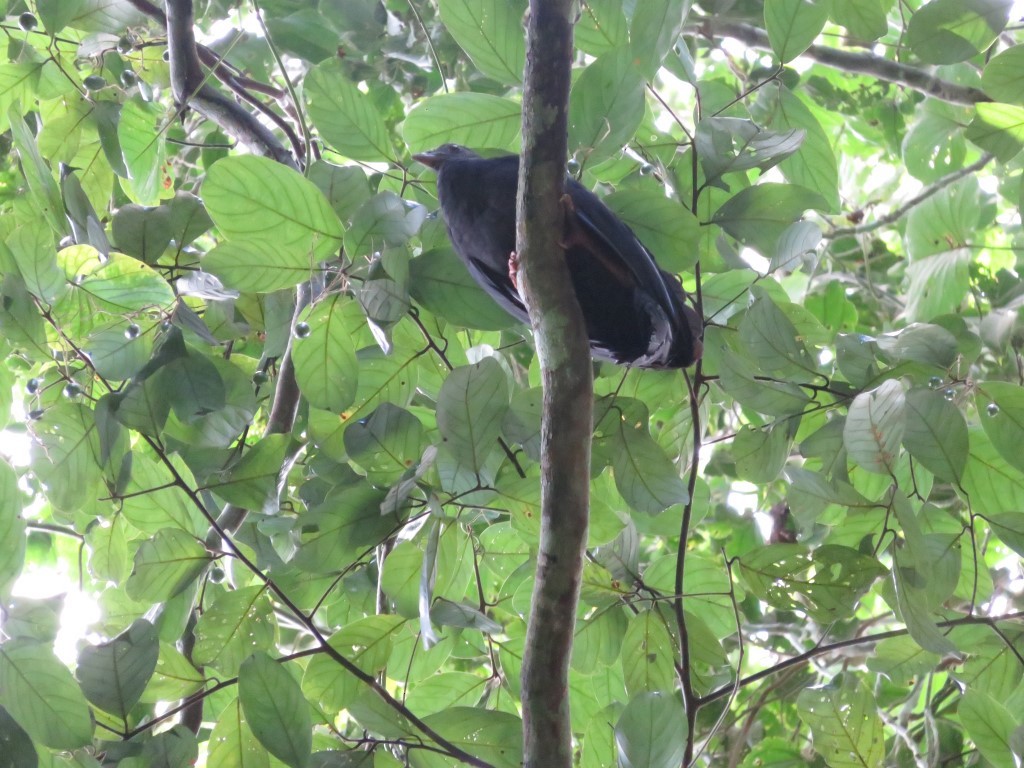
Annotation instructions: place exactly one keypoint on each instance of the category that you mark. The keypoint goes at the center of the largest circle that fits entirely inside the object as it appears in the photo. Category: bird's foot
(513, 269)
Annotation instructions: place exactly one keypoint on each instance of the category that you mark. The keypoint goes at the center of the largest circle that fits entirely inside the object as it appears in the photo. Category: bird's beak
(429, 159)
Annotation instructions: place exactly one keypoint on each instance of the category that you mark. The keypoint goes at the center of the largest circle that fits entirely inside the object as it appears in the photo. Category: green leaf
(601, 27)
(470, 119)
(920, 343)
(12, 530)
(651, 732)
(999, 129)
(347, 521)
(792, 25)
(936, 434)
(757, 216)
(346, 117)
(845, 725)
(1009, 527)
(948, 31)
(442, 284)
(232, 743)
(445, 690)
(258, 266)
(826, 583)
(37, 690)
(939, 285)
(367, 643)
(771, 340)
(760, 454)
(385, 444)
(1003, 78)
(874, 427)
(165, 565)
(990, 726)
(664, 226)
(470, 406)
(45, 193)
(917, 615)
(606, 106)
(383, 220)
(65, 455)
(276, 710)
(325, 358)
(238, 623)
(648, 655)
(731, 145)
(252, 483)
(114, 675)
(1002, 418)
(176, 748)
(121, 284)
(19, 751)
(653, 29)
(644, 475)
(254, 198)
(814, 165)
(865, 20)
(495, 737)
(991, 483)
(141, 136)
(32, 246)
(491, 33)
(775, 398)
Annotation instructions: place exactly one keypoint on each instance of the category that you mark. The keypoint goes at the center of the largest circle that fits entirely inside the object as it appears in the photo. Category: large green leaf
(114, 675)
(471, 119)
(236, 624)
(606, 105)
(346, 117)
(275, 709)
(846, 727)
(1003, 78)
(491, 32)
(792, 25)
(757, 216)
(253, 198)
(140, 133)
(324, 353)
(936, 433)
(470, 406)
(651, 732)
(999, 129)
(38, 691)
(948, 31)
(165, 565)
(875, 426)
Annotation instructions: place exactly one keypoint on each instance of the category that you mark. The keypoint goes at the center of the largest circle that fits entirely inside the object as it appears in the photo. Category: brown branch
(850, 61)
(567, 377)
(822, 650)
(898, 213)
(188, 83)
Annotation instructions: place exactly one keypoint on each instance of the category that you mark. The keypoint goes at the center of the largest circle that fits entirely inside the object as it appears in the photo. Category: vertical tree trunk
(568, 386)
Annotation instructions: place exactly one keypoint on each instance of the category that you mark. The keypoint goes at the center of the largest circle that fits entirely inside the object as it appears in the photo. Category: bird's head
(435, 158)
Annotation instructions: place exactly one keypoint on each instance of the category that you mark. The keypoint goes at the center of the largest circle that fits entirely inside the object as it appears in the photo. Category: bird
(636, 314)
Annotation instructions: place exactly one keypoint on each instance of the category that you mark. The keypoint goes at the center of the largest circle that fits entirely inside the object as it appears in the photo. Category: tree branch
(898, 213)
(849, 61)
(188, 82)
(567, 377)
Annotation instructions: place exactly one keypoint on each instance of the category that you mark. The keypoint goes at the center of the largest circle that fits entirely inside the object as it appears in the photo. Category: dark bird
(636, 313)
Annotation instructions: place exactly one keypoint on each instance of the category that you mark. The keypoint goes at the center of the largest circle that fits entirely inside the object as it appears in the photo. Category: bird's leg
(513, 269)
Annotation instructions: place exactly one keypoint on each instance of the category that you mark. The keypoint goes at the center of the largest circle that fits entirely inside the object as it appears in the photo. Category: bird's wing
(634, 262)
